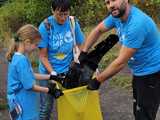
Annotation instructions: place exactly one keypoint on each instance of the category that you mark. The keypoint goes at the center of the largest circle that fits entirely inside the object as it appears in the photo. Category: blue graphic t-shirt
(19, 85)
(140, 32)
(59, 42)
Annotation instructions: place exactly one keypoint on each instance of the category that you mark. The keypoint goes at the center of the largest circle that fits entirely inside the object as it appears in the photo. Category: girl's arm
(38, 88)
(42, 76)
(52, 90)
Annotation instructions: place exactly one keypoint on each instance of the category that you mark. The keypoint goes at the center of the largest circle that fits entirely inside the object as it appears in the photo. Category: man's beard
(121, 10)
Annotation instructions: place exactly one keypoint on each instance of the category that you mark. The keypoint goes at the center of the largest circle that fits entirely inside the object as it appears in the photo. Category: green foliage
(11, 17)
(155, 1)
(36, 11)
(16, 13)
(152, 8)
(89, 12)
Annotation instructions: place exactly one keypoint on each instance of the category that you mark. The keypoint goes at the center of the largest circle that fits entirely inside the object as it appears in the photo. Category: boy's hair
(27, 32)
(62, 5)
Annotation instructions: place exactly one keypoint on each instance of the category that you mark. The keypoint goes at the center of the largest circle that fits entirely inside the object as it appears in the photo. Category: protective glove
(54, 91)
(55, 76)
(83, 58)
(71, 79)
(93, 84)
(59, 78)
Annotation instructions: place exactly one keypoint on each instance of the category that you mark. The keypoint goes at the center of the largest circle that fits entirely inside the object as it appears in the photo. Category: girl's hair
(62, 5)
(26, 32)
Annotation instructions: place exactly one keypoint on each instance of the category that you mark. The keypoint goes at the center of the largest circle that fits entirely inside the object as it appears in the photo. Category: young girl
(21, 91)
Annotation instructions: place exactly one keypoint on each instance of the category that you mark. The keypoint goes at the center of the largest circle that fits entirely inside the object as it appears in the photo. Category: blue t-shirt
(59, 42)
(139, 31)
(19, 84)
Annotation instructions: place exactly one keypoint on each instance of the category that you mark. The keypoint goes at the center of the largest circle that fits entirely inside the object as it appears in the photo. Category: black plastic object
(79, 75)
(100, 50)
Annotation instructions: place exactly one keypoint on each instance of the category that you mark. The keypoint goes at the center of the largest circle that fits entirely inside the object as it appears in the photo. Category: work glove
(82, 58)
(54, 91)
(71, 79)
(59, 78)
(55, 76)
(93, 84)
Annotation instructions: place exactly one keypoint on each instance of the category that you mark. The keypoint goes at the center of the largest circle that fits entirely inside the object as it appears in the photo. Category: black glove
(93, 84)
(53, 77)
(82, 58)
(59, 77)
(71, 79)
(54, 91)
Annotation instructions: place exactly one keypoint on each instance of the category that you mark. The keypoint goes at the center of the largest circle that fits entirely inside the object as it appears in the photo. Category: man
(56, 47)
(140, 47)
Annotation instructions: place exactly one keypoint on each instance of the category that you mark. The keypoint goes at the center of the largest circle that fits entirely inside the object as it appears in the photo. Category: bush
(36, 11)
(89, 12)
(16, 13)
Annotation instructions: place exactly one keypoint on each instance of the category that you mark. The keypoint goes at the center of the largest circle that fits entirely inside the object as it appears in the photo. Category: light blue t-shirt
(140, 32)
(19, 84)
(59, 42)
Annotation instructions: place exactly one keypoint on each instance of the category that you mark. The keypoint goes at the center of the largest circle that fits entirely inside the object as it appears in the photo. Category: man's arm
(94, 35)
(124, 55)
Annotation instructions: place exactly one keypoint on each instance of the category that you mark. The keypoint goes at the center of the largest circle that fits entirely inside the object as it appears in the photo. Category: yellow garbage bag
(79, 104)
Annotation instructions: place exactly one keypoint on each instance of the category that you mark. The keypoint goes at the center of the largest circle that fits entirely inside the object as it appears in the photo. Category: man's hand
(54, 91)
(93, 84)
